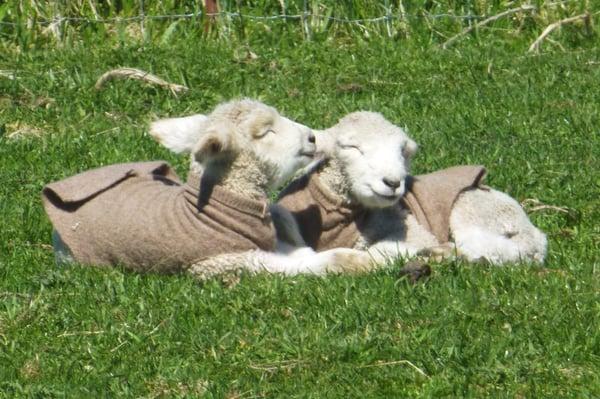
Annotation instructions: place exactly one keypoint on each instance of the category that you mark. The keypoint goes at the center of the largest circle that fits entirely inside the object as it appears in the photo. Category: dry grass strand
(535, 205)
(138, 74)
(10, 75)
(396, 362)
(18, 130)
(523, 8)
(535, 46)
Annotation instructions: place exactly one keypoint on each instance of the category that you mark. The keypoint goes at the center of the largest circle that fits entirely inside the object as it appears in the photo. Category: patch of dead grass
(31, 368)
(162, 388)
(19, 130)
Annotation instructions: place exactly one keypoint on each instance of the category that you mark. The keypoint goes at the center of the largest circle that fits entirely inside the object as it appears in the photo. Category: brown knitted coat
(326, 222)
(140, 215)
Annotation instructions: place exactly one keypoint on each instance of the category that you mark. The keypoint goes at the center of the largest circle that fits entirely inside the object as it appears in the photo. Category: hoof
(439, 252)
(351, 262)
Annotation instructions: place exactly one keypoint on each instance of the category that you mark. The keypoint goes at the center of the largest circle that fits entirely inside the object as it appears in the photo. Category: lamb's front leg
(384, 251)
(288, 231)
(299, 261)
(394, 232)
(387, 250)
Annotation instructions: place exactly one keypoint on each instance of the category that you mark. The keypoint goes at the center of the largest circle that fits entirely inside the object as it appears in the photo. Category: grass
(470, 331)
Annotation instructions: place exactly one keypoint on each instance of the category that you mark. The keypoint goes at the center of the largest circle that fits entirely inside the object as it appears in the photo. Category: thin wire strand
(304, 16)
(137, 18)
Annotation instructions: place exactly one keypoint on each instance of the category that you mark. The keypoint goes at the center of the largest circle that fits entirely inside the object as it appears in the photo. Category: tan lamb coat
(142, 216)
(327, 222)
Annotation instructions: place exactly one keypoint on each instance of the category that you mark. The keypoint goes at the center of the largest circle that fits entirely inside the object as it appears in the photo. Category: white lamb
(141, 216)
(361, 196)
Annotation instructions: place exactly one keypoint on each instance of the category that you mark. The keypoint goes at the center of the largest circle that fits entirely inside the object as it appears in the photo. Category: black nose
(393, 184)
(311, 138)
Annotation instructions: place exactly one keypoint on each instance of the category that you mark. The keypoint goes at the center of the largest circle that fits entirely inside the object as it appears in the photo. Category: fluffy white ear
(179, 135)
(325, 142)
(410, 149)
(217, 140)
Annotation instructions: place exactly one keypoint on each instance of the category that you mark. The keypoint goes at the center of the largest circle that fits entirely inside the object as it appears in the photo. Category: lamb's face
(374, 156)
(282, 144)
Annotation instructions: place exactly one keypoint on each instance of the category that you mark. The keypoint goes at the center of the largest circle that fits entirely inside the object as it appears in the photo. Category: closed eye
(263, 133)
(350, 147)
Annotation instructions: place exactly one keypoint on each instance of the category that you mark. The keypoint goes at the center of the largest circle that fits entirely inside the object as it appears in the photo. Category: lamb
(141, 216)
(362, 196)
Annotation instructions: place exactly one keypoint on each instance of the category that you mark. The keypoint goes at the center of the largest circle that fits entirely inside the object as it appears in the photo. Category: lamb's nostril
(393, 184)
(311, 138)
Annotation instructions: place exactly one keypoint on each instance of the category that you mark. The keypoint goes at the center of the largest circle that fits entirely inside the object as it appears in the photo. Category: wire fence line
(305, 15)
(395, 22)
(294, 17)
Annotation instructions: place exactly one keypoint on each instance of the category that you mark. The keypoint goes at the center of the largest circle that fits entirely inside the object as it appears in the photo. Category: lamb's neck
(244, 176)
(333, 177)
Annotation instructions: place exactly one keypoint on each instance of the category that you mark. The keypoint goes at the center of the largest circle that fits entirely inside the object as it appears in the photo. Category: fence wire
(292, 17)
(306, 18)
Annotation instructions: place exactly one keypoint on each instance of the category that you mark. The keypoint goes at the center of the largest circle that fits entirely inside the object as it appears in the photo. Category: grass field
(470, 331)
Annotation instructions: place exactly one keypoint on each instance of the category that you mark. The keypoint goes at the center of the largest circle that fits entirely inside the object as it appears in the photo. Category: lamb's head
(238, 133)
(371, 155)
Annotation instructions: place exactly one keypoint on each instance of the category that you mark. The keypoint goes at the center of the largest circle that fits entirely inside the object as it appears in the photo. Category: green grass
(470, 331)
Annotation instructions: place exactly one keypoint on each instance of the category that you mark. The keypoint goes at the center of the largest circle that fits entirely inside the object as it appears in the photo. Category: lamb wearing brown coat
(141, 216)
(363, 197)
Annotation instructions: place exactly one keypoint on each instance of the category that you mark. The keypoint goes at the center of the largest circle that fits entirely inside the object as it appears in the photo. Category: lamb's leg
(385, 251)
(491, 225)
(301, 261)
(402, 236)
(440, 252)
(288, 232)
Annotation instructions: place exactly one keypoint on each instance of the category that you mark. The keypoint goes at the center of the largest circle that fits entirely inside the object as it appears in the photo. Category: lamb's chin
(383, 203)
(286, 174)
(374, 201)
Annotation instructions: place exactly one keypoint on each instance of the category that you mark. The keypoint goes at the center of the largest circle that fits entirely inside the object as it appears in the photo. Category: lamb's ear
(410, 149)
(325, 141)
(217, 140)
(179, 134)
